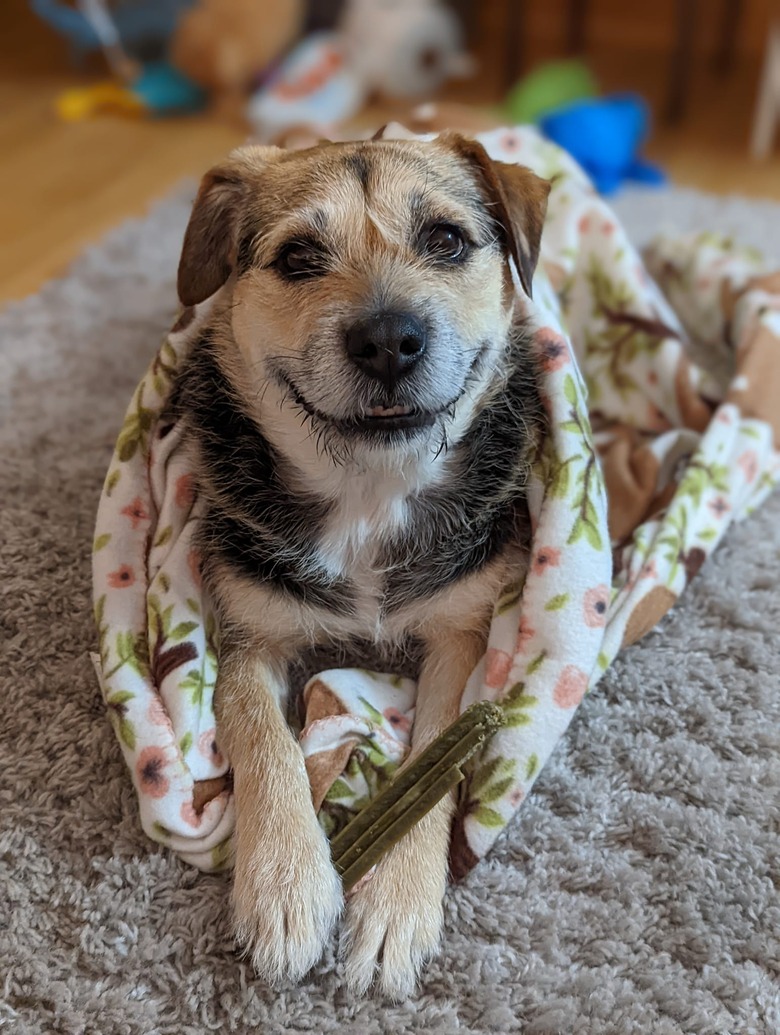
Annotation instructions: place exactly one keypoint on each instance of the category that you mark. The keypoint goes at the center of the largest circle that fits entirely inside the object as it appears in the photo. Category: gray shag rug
(636, 893)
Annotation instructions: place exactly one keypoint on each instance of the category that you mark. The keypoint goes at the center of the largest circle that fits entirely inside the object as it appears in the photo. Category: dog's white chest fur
(369, 508)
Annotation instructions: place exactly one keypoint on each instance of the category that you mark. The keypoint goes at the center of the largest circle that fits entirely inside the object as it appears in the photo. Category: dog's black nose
(386, 346)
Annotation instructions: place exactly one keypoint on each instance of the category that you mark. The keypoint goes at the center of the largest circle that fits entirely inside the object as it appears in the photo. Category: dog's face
(370, 282)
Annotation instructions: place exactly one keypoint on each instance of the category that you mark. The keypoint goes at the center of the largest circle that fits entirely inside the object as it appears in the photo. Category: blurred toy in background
(548, 87)
(134, 39)
(223, 51)
(397, 49)
(225, 46)
(604, 134)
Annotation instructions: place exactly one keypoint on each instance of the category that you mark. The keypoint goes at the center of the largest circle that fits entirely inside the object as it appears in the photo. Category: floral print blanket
(661, 377)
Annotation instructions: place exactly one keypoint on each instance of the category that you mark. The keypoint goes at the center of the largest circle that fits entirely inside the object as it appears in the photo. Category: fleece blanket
(660, 378)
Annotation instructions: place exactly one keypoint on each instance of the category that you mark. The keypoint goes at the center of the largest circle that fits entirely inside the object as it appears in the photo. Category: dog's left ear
(208, 255)
(518, 200)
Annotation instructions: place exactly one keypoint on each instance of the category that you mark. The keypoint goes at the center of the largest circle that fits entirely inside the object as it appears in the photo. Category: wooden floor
(63, 185)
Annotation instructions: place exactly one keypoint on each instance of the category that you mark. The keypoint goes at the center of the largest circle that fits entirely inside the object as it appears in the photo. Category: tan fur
(286, 894)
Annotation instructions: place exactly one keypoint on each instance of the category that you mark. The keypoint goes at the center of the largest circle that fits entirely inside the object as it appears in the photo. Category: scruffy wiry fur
(345, 512)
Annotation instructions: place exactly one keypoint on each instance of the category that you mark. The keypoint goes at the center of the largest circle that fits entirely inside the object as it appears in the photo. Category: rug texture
(636, 891)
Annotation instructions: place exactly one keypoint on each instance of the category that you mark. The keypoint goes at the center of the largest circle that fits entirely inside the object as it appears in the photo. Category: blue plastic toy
(605, 135)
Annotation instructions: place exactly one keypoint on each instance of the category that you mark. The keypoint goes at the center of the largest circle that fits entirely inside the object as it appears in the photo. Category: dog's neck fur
(369, 532)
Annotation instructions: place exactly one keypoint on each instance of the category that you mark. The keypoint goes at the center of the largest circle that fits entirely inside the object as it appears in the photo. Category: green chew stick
(412, 793)
(404, 821)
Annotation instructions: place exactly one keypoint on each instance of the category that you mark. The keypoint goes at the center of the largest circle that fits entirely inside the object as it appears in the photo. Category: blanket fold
(660, 378)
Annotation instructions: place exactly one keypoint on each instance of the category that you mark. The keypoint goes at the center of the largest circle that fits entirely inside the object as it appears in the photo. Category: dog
(362, 413)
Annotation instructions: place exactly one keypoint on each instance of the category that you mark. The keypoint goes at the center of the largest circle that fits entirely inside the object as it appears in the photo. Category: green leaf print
(136, 428)
(496, 790)
(120, 697)
(185, 743)
(127, 733)
(194, 684)
(488, 817)
(495, 767)
(101, 541)
(339, 789)
(165, 536)
(531, 766)
(222, 854)
(516, 704)
(536, 664)
(570, 390)
(180, 631)
(557, 603)
(374, 714)
(508, 599)
(111, 481)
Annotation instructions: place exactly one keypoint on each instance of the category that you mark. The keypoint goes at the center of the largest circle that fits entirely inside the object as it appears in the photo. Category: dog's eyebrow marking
(359, 166)
(318, 219)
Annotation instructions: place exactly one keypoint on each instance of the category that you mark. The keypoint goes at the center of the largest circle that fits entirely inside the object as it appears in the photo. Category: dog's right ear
(208, 254)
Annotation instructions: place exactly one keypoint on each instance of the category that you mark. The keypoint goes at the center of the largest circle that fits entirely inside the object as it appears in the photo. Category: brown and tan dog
(362, 410)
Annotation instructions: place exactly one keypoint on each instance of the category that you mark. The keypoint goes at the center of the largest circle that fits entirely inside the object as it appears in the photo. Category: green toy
(552, 85)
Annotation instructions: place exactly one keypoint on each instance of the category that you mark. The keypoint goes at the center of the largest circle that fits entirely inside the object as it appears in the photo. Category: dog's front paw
(394, 924)
(286, 899)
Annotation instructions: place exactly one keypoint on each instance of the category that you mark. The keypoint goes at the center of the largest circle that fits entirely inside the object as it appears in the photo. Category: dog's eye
(301, 259)
(445, 242)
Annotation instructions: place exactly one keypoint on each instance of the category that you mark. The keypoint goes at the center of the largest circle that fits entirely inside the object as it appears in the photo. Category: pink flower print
(595, 607)
(156, 713)
(748, 461)
(149, 769)
(546, 557)
(571, 687)
(723, 416)
(652, 377)
(584, 224)
(193, 563)
(185, 492)
(498, 664)
(719, 506)
(516, 797)
(552, 349)
(510, 142)
(136, 511)
(401, 723)
(207, 745)
(524, 634)
(122, 577)
(189, 815)
(607, 228)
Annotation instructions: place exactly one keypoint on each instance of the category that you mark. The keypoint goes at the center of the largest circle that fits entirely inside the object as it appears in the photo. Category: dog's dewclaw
(413, 792)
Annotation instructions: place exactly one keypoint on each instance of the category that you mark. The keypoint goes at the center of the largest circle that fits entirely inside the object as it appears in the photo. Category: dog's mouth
(392, 418)
(374, 420)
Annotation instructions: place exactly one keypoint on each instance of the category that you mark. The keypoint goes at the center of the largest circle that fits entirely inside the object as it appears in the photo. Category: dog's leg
(286, 893)
(394, 919)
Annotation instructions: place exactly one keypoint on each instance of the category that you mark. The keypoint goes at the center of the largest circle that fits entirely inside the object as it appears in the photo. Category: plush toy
(409, 48)
(405, 49)
(605, 135)
(225, 45)
(548, 87)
